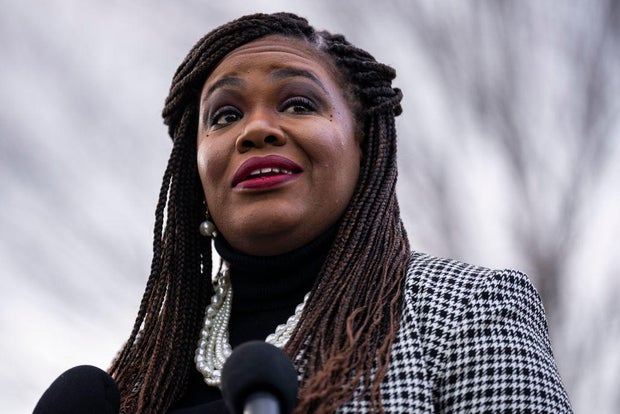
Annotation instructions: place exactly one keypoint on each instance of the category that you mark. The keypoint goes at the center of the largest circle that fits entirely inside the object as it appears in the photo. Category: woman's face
(277, 153)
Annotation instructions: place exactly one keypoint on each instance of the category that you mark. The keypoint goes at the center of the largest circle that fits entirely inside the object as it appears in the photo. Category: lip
(243, 177)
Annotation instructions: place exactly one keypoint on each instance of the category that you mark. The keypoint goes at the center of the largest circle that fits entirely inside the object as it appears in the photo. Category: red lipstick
(265, 172)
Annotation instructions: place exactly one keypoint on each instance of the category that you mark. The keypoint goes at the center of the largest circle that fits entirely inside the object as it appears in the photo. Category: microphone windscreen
(258, 366)
(82, 389)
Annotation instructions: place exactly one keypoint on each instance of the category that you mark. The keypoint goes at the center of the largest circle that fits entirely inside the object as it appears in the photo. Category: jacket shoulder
(443, 294)
(483, 333)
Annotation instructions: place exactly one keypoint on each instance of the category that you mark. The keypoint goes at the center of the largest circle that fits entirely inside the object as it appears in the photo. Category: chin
(268, 237)
(267, 247)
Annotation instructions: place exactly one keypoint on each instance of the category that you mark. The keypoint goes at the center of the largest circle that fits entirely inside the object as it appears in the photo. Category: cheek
(211, 166)
(351, 155)
(341, 155)
(343, 148)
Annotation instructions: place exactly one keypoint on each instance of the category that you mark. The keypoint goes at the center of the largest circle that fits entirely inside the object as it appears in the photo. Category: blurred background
(509, 157)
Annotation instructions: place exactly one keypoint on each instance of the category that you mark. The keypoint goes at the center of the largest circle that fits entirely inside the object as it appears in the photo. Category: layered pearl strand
(214, 346)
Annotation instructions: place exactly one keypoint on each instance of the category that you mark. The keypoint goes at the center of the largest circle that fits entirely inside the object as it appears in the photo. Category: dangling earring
(207, 227)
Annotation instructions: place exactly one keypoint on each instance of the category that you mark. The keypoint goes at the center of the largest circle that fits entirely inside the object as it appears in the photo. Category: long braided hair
(342, 344)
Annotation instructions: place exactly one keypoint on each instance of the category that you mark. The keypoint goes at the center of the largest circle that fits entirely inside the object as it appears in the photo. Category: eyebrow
(277, 75)
(292, 72)
(221, 83)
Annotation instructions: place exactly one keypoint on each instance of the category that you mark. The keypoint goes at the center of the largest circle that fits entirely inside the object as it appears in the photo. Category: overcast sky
(83, 149)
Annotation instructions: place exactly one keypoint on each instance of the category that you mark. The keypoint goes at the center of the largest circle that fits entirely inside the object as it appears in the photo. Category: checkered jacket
(471, 340)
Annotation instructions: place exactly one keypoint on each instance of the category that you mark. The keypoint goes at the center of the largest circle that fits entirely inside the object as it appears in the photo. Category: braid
(152, 368)
(359, 289)
(352, 315)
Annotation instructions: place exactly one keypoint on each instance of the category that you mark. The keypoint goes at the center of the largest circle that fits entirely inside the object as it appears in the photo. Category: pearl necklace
(213, 346)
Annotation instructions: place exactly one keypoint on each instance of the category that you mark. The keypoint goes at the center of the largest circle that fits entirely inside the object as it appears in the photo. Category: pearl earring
(207, 227)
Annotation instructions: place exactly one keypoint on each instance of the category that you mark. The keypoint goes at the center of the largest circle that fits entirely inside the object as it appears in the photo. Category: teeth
(269, 170)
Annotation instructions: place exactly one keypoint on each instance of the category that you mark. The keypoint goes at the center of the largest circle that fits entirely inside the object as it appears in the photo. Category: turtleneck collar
(266, 291)
(270, 282)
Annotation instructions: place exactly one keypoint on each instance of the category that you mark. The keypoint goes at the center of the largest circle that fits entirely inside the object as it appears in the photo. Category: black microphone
(259, 378)
(82, 389)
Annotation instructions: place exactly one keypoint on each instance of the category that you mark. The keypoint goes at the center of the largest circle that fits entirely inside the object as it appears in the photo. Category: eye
(298, 105)
(224, 116)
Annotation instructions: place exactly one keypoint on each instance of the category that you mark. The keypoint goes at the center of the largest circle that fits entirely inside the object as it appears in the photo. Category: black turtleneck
(266, 290)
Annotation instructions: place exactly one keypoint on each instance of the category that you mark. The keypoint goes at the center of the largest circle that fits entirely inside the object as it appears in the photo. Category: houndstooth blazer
(471, 340)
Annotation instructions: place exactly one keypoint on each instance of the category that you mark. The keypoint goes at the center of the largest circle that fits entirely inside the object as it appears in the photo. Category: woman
(284, 137)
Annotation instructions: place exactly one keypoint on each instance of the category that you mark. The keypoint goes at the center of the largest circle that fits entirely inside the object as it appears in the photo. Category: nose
(261, 129)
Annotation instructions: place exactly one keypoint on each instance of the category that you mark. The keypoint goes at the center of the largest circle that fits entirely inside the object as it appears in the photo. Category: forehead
(272, 53)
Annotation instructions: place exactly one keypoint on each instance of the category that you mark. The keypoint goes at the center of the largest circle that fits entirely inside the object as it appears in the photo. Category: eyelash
(298, 101)
(295, 102)
(221, 112)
